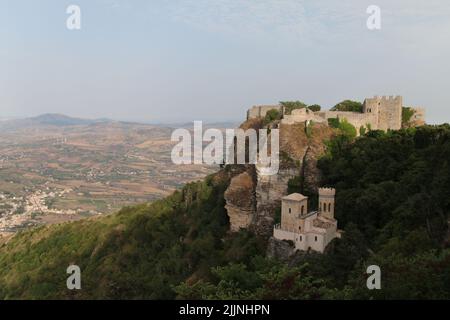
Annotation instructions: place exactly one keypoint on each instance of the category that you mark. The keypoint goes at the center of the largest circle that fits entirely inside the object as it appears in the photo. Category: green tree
(333, 122)
(295, 185)
(407, 114)
(292, 105)
(315, 107)
(271, 115)
(348, 105)
(362, 130)
(347, 128)
(263, 279)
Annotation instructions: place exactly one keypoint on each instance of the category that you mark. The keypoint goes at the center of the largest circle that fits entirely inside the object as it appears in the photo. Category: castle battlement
(349, 115)
(386, 98)
(327, 191)
(261, 111)
(378, 113)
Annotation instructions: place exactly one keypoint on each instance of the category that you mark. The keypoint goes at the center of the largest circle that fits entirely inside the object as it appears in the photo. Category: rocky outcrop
(293, 140)
(269, 191)
(280, 250)
(252, 199)
(285, 251)
(240, 194)
(240, 200)
(312, 176)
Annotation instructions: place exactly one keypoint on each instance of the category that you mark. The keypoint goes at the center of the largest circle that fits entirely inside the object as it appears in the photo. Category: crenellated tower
(326, 202)
(386, 110)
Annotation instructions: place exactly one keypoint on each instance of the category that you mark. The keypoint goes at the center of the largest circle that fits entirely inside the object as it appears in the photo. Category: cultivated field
(51, 174)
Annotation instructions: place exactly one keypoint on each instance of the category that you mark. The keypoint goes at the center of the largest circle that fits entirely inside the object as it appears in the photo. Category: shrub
(347, 128)
(272, 115)
(295, 185)
(333, 122)
(292, 105)
(407, 114)
(362, 130)
(314, 107)
(348, 105)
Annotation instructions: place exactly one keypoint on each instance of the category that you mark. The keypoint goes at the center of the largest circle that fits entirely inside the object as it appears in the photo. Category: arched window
(289, 210)
(315, 238)
(303, 209)
(301, 238)
(329, 207)
(324, 207)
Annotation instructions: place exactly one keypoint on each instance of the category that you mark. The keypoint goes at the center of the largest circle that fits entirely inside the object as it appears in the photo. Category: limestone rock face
(293, 140)
(280, 250)
(252, 199)
(269, 191)
(316, 148)
(240, 201)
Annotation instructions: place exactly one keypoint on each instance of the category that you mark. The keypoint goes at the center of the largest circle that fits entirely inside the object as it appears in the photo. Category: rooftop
(295, 197)
(322, 222)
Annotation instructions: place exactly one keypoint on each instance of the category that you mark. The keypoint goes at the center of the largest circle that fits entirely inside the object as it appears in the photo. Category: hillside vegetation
(140, 252)
(393, 203)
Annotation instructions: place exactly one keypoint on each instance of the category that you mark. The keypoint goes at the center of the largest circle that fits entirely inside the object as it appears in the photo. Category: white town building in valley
(308, 230)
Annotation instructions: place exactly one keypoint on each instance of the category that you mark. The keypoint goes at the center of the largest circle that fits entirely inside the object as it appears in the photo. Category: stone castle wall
(357, 119)
(388, 110)
(301, 115)
(380, 113)
(261, 111)
(418, 119)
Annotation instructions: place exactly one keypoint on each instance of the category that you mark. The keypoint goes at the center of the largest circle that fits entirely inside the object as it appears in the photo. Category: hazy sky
(183, 60)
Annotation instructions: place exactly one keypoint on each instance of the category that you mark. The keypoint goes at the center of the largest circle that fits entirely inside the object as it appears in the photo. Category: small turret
(326, 202)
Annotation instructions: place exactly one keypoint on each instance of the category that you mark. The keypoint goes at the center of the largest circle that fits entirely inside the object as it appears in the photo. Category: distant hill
(61, 120)
(55, 119)
(48, 119)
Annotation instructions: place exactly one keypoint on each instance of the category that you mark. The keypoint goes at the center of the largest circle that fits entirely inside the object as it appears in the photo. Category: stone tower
(326, 202)
(293, 206)
(387, 111)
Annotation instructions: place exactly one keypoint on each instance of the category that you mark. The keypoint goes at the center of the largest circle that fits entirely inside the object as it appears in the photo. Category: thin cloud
(241, 16)
(308, 21)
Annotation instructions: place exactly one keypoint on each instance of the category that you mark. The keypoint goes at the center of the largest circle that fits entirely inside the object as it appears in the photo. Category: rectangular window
(315, 238)
(289, 210)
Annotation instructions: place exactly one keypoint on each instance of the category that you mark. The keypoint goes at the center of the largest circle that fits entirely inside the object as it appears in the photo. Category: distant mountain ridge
(57, 119)
(48, 119)
(61, 120)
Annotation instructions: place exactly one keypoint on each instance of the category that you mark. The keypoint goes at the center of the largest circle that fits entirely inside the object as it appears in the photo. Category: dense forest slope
(393, 202)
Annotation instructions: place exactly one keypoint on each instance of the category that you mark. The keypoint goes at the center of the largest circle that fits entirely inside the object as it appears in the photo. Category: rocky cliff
(253, 200)
(240, 200)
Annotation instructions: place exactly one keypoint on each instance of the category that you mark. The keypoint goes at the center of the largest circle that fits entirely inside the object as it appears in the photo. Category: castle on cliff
(308, 230)
(378, 113)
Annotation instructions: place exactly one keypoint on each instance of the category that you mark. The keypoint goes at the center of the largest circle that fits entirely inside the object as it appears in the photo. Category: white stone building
(308, 230)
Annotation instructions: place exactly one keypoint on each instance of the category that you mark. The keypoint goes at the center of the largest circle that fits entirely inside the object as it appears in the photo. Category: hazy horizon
(184, 60)
(152, 122)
